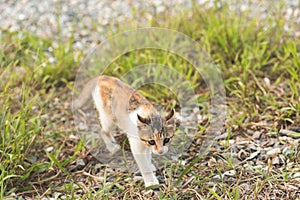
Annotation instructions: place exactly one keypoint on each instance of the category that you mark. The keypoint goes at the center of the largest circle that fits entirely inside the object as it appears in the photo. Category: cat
(121, 106)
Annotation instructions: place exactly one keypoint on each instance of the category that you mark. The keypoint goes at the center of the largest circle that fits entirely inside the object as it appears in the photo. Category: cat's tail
(85, 94)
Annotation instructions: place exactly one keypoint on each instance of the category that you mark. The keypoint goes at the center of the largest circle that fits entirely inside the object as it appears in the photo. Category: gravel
(89, 20)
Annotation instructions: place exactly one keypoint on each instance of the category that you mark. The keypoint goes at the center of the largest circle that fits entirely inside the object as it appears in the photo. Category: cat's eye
(166, 140)
(151, 142)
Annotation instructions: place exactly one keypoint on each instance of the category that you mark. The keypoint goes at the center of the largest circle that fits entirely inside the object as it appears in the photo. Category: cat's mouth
(163, 150)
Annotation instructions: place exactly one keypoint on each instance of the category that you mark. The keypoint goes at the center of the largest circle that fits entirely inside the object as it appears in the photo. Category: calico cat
(119, 105)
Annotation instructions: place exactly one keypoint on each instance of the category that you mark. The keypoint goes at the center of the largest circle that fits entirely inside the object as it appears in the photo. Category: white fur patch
(104, 120)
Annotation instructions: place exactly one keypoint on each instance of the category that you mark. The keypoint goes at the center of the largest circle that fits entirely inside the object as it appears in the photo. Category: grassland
(260, 64)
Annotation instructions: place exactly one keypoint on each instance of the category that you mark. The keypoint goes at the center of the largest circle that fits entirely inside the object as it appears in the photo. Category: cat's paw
(113, 148)
(154, 181)
(153, 168)
(147, 184)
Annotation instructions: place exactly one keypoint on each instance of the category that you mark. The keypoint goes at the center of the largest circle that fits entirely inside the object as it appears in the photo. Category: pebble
(245, 186)
(57, 195)
(218, 178)
(257, 135)
(230, 173)
(227, 155)
(137, 178)
(73, 137)
(92, 17)
(294, 132)
(226, 142)
(234, 148)
(282, 158)
(80, 164)
(33, 159)
(275, 161)
(287, 150)
(253, 155)
(296, 176)
(49, 149)
(252, 147)
(273, 152)
(249, 168)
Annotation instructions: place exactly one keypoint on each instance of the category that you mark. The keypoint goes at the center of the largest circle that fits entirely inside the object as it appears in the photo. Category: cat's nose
(160, 151)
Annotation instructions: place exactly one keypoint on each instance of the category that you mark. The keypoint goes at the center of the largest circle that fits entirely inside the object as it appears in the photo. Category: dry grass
(261, 69)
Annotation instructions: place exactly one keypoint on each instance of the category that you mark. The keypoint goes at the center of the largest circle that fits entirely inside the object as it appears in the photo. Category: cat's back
(109, 85)
(115, 92)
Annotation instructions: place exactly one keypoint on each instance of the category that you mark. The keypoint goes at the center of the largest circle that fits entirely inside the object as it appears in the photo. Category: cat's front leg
(142, 156)
(148, 173)
(150, 180)
(152, 166)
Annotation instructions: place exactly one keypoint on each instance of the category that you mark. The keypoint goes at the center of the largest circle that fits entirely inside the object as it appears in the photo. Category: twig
(257, 83)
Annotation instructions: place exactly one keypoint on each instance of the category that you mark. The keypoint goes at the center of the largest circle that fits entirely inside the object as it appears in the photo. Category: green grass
(37, 152)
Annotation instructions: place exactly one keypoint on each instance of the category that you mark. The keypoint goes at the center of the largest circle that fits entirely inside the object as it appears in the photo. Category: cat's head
(156, 131)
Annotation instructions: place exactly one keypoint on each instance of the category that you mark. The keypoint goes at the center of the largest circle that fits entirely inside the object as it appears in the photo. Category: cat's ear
(144, 120)
(169, 115)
